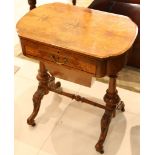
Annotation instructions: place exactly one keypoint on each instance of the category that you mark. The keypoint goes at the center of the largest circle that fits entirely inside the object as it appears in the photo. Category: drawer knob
(56, 60)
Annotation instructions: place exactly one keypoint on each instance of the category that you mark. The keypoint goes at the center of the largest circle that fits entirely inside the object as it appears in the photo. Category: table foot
(31, 121)
(99, 148)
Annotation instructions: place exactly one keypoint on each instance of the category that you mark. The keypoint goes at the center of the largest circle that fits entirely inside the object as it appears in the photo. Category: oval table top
(87, 31)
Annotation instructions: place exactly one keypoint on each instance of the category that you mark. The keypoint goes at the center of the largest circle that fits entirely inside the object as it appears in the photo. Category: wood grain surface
(82, 30)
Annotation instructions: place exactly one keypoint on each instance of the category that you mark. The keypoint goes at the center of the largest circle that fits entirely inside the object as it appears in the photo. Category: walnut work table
(76, 44)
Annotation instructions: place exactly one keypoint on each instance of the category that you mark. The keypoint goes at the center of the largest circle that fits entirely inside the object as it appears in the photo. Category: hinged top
(95, 33)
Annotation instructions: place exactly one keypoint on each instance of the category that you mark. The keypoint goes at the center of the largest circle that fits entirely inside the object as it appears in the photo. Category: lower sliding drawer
(70, 74)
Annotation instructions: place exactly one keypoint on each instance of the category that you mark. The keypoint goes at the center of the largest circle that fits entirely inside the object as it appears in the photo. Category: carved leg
(111, 98)
(42, 90)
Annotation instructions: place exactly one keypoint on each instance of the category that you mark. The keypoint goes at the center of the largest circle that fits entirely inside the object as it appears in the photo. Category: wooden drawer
(70, 74)
(58, 56)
